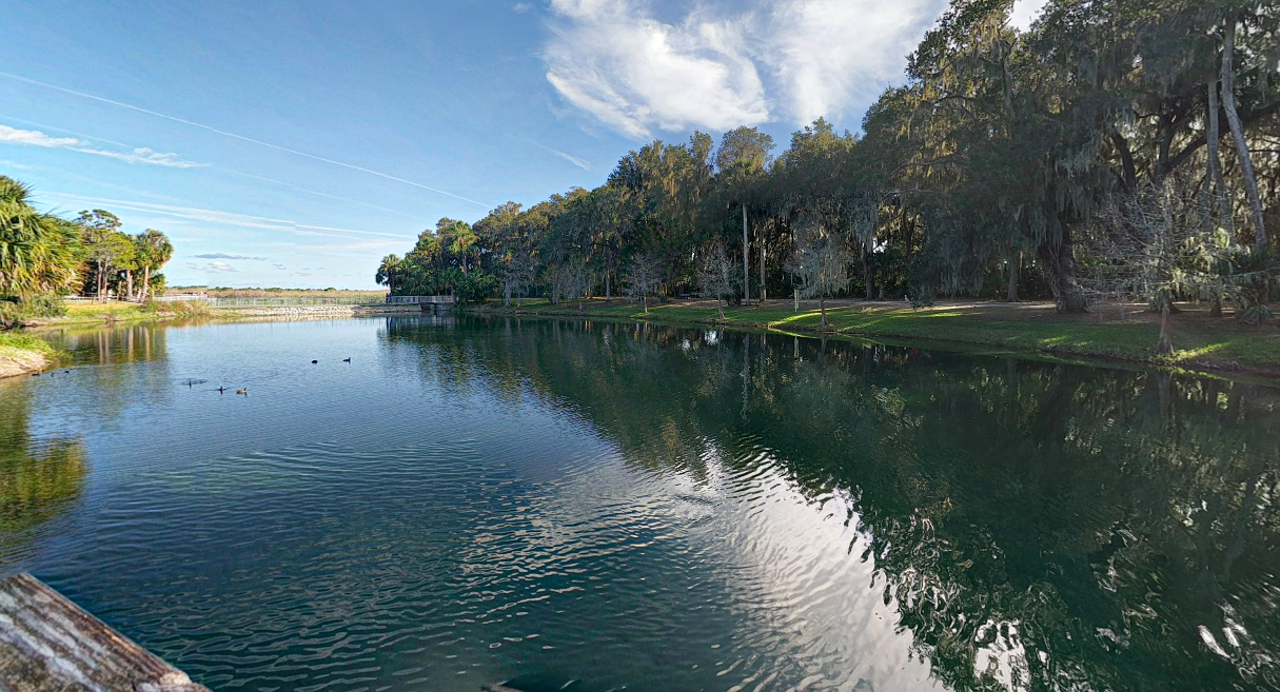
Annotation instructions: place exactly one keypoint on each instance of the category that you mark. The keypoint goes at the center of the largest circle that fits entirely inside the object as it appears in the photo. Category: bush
(14, 311)
(10, 314)
(177, 308)
(45, 305)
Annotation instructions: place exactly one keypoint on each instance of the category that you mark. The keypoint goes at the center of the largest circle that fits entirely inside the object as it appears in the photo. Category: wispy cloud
(142, 155)
(226, 218)
(281, 267)
(212, 267)
(225, 133)
(726, 63)
(224, 256)
(33, 138)
(580, 163)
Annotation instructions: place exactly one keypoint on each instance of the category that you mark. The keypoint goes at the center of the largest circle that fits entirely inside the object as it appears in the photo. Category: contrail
(233, 135)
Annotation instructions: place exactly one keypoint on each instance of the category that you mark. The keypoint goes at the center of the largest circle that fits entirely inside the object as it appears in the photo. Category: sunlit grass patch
(1018, 327)
(21, 341)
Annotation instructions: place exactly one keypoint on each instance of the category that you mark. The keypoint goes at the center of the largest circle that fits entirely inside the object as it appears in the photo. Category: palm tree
(38, 252)
(154, 251)
(391, 265)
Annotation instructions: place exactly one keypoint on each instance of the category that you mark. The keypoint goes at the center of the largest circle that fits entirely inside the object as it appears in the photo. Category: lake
(591, 506)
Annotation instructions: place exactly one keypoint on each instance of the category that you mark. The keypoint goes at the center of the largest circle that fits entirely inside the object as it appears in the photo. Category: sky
(295, 144)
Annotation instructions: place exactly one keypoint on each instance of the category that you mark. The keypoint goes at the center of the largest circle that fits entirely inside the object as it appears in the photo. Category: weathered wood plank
(49, 644)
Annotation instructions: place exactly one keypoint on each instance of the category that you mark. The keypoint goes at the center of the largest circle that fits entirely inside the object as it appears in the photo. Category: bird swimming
(314, 362)
(347, 359)
(221, 389)
(244, 391)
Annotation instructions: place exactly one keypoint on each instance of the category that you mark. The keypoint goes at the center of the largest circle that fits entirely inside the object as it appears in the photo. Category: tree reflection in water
(39, 480)
(1040, 526)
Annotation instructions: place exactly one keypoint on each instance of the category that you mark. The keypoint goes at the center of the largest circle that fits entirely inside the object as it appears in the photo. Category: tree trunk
(720, 309)
(796, 294)
(866, 273)
(128, 279)
(1237, 133)
(506, 294)
(822, 307)
(746, 262)
(608, 296)
(1015, 265)
(1216, 183)
(1060, 263)
(764, 291)
(645, 297)
(145, 291)
(1164, 345)
(102, 283)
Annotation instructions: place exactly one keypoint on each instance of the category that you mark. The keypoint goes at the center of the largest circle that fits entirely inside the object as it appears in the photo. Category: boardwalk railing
(420, 300)
(289, 301)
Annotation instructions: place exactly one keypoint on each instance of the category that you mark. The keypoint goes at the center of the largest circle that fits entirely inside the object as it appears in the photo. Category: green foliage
(16, 311)
(1002, 144)
(39, 253)
(176, 308)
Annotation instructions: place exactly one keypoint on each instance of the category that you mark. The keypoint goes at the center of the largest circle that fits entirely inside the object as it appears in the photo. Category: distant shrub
(14, 311)
(177, 308)
(10, 314)
(44, 305)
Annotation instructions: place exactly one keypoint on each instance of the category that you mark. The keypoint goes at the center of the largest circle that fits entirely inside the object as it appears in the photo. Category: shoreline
(219, 315)
(1218, 348)
(23, 354)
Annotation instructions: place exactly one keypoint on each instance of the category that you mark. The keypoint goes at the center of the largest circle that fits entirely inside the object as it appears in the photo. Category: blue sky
(296, 143)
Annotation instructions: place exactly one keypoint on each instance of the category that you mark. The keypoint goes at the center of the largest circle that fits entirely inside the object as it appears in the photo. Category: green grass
(1202, 343)
(21, 341)
(82, 312)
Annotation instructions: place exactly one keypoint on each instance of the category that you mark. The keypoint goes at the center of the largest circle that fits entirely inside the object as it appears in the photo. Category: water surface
(589, 506)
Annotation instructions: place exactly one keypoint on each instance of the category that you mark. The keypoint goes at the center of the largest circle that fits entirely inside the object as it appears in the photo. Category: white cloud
(727, 63)
(142, 155)
(34, 138)
(830, 56)
(633, 72)
(1024, 13)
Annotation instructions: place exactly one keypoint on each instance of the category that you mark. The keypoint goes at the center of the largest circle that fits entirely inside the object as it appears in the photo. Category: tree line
(1124, 149)
(44, 257)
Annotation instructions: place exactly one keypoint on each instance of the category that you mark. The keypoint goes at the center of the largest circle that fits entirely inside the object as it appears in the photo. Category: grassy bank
(21, 353)
(89, 313)
(1202, 342)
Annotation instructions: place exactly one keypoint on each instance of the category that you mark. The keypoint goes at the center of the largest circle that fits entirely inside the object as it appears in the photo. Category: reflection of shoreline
(1017, 511)
(39, 480)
